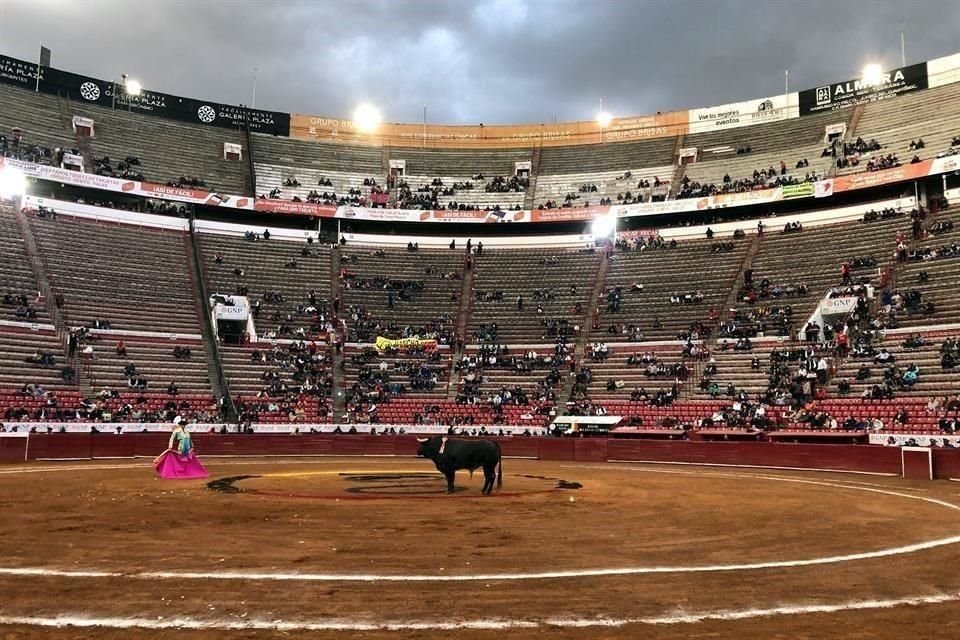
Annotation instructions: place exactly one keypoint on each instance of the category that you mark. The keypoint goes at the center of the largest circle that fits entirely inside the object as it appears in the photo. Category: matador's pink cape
(173, 466)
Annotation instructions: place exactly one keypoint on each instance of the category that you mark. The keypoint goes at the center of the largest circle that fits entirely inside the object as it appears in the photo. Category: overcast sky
(491, 61)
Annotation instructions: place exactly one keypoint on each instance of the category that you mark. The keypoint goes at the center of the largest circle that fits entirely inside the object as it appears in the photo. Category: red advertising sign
(295, 208)
(869, 179)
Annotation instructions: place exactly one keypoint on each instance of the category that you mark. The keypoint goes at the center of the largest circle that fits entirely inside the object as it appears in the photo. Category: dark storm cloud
(484, 61)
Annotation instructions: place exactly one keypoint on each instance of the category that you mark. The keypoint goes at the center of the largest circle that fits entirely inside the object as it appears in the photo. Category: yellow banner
(382, 344)
(307, 127)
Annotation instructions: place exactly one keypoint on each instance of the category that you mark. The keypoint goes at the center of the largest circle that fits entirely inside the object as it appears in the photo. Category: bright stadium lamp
(604, 119)
(132, 87)
(872, 75)
(604, 226)
(13, 184)
(367, 118)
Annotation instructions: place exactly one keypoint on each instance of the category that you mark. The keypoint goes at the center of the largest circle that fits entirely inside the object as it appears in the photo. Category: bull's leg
(450, 475)
(489, 475)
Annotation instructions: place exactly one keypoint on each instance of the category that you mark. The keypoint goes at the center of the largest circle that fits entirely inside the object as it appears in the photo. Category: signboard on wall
(838, 306)
(849, 93)
(661, 125)
(743, 114)
(104, 93)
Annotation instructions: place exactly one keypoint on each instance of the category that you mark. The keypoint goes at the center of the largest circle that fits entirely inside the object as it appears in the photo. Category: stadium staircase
(852, 124)
(530, 196)
(896, 269)
(248, 169)
(731, 300)
(339, 380)
(211, 346)
(46, 291)
(385, 163)
(83, 142)
(854, 121)
(43, 280)
(679, 168)
(586, 328)
(460, 332)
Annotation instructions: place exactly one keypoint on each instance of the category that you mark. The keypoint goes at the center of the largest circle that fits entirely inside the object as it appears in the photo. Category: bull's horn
(422, 439)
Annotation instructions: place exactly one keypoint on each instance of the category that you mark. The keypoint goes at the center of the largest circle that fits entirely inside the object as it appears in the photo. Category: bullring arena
(270, 548)
(718, 348)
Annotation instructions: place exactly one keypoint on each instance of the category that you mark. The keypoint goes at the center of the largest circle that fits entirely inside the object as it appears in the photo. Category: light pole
(113, 94)
(603, 119)
(132, 88)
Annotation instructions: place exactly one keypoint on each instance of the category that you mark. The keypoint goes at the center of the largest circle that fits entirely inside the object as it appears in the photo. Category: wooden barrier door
(916, 463)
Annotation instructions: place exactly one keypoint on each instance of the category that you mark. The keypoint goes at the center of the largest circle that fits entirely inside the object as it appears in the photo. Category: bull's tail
(499, 466)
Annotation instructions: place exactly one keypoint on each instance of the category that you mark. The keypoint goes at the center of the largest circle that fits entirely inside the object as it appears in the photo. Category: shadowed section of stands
(134, 278)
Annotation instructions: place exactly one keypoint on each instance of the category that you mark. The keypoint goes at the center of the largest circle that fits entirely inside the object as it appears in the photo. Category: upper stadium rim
(834, 95)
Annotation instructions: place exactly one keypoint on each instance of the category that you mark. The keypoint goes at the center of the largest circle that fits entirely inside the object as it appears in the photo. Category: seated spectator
(884, 357)
(909, 377)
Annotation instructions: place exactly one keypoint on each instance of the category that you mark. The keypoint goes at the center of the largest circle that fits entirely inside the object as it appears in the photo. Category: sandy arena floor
(373, 548)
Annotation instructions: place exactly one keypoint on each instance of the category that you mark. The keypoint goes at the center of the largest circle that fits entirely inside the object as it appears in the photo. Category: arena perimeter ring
(641, 549)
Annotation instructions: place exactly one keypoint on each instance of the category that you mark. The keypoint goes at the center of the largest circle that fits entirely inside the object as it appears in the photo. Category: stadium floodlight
(13, 183)
(604, 226)
(367, 118)
(872, 75)
(604, 119)
(132, 87)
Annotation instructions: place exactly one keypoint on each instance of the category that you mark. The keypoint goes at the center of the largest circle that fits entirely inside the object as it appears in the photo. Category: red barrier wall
(13, 449)
(946, 463)
(838, 457)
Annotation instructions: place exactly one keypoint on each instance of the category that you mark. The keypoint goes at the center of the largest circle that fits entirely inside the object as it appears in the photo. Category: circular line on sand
(545, 575)
(487, 624)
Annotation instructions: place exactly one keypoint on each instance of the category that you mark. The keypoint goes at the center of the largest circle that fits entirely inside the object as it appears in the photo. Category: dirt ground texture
(338, 518)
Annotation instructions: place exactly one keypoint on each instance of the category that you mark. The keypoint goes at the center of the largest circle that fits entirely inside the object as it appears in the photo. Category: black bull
(451, 455)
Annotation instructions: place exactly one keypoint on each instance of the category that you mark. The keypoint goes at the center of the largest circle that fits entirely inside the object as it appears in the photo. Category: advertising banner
(838, 306)
(638, 234)
(841, 95)
(382, 344)
(309, 127)
(941, 71)
(130, 187)
(87, 90)
(913, 440)
(760, 196)
(804, 190)
(236, 313)
(868, 179)
(945, 164)
(568, 215)
(659, 208)
(438, 215)
(19, 72)
(823, 188)
(269, 205)
(661, 125)
(743, 114)
(346, 131)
